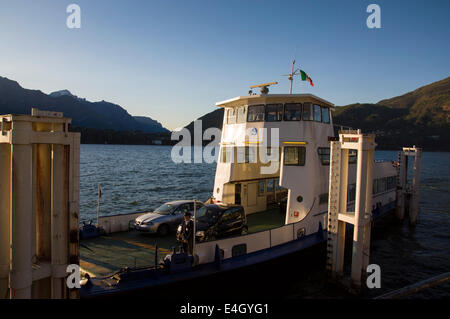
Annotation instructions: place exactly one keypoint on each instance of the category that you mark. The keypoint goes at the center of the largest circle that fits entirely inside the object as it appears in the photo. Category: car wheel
(244, 230)
(163, 230)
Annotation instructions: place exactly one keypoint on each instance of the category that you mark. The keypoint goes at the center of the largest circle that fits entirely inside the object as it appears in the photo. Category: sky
(173, 60)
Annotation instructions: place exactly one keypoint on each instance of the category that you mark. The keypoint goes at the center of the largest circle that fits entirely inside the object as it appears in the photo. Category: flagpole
(98, 204)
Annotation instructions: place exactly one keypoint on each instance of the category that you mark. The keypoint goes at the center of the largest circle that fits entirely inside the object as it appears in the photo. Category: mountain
(149, 122)
(100, 115)
(420, 117)
(211, 119)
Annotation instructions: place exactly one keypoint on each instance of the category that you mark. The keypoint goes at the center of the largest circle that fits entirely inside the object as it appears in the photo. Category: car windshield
(206, 215)
(165, 209)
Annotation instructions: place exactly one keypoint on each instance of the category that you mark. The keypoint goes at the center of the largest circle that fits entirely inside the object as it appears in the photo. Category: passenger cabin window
(274, 112)
(231, 117)
(325, 115)
(294, 155)
(293, 112)
(250, 154)
(277, 185)
(240, 117)
(227, 154)
(262, 186)
(240, 154)
(317, 113)
(255, 113)
(324, 155)
(270, 185)
(307, 112)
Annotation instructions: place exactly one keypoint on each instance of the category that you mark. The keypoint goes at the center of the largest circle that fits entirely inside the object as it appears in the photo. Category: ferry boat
(273, 147)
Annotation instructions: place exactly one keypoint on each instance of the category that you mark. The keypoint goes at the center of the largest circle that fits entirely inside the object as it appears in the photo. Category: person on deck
(187, 233)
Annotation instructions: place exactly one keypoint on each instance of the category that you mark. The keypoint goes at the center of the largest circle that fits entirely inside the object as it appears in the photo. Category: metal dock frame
(338, 216)
(405, 189)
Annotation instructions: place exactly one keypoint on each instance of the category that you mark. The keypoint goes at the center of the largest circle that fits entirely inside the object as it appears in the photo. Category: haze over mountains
(99, 115)
(420, 117)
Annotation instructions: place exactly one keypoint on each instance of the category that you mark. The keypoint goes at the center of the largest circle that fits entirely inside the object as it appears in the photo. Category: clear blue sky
(172, 60)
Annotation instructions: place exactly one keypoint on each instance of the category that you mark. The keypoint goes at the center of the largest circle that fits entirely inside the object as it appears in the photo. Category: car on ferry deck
(219, 221)
(166, 217)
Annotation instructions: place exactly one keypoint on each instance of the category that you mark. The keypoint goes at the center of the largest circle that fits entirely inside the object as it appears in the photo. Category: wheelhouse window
(231, 117)
(274, 112)
(255, 113)
(240, 117)
(294, 155)
(325, 115)
(226, 154)
(324, 155)
(292, 111)
(307, 112)
(317, 113)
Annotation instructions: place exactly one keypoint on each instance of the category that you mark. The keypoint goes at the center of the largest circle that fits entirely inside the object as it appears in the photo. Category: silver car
(166, 217)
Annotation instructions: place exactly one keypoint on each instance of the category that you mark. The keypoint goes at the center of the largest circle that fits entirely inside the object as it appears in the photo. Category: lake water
(139, 178)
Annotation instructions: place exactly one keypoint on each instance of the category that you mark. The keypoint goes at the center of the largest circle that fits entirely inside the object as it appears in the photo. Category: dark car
(219, 221)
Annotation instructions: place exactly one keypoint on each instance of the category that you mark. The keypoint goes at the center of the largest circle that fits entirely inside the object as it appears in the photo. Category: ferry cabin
(300, 150)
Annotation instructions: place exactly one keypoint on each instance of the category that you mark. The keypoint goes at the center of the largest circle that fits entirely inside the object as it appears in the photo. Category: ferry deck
(107, 254)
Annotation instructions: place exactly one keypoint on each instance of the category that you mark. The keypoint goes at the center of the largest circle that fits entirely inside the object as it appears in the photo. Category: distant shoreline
(376, 149)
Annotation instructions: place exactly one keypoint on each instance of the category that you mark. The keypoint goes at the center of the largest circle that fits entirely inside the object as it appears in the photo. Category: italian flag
(305, 77)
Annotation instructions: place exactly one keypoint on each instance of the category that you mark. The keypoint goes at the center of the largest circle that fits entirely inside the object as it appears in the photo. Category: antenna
(264, 87)
(291, 75)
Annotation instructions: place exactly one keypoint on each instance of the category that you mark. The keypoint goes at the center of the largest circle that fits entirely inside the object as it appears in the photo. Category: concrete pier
(39, 200)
